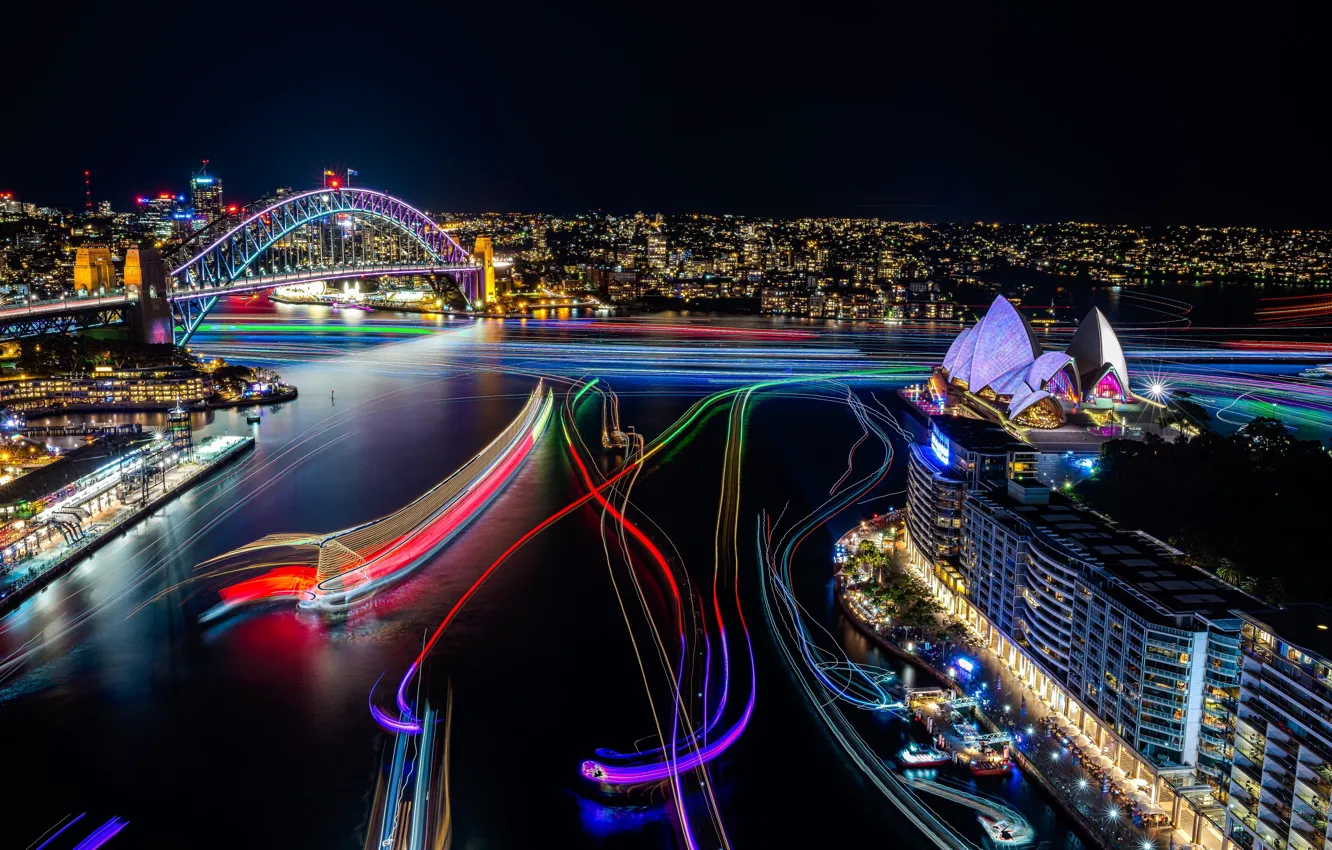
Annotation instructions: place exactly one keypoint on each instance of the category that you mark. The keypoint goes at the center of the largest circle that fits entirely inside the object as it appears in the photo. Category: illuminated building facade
(206, 196)
(1139, 651)
(958, 456)
(998, 368)
(155, 216)
(1281, 782)
(106, 387)
(93, 270)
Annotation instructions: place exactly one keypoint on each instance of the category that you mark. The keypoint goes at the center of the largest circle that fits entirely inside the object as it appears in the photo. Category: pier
(87, 519)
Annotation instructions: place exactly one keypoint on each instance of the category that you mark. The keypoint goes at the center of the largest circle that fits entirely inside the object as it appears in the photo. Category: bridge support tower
(146, 281)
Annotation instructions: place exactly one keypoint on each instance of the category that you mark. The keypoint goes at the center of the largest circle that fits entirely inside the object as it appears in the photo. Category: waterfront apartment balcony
(1310, 817)
(1278, 732)
(1317, 687)
(1314, 805)
(1172, 732)
(1246, 776)
(1273, 820)
(1278, 799)
(1242, 837)
(1243, 798)
(1272, 834)
(1315, 787)
(1293, 687)
(1281, 759)
(1248, 758)
(1245, 729)
(1303, 837)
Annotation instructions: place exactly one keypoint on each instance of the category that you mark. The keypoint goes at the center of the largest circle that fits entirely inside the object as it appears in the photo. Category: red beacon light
(232, 208)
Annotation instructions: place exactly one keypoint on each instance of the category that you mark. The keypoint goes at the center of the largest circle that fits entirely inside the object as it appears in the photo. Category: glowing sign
(203, 181)
(939, 445)
(144, 200)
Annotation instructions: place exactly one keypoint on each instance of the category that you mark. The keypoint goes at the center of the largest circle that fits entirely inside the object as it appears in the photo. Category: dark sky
(929, 111)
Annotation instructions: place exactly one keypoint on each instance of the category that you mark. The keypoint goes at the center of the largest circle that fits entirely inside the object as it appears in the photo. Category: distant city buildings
(825, 268)
(206, 197)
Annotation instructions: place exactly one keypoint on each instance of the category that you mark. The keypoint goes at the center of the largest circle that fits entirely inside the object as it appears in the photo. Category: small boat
(252, 419)
(1318, 373)
(914, 756)
(1003, 831)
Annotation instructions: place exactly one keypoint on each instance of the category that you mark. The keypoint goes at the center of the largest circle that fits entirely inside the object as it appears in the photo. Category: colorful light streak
(102, 834)
(392, 546)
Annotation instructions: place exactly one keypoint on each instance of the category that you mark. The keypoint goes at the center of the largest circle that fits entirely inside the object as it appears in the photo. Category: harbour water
(254, 731)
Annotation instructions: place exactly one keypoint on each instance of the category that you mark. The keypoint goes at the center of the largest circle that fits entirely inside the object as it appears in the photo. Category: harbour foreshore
(67, 558)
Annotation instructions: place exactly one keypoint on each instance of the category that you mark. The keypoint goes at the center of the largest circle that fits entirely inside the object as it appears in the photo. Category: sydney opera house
(998, 369)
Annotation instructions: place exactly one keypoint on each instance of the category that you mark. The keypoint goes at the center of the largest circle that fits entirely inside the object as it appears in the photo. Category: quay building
(1222, 705)
(106, 387)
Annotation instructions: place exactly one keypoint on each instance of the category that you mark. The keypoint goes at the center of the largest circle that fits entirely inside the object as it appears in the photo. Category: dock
(211, 455)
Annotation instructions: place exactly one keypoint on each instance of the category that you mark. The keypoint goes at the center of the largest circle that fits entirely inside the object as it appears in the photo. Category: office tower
(206, 196)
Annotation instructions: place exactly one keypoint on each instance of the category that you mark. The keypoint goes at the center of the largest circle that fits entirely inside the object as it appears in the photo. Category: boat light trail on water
(405, 724)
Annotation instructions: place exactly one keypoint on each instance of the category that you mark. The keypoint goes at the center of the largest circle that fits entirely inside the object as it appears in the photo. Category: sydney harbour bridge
(322, 234)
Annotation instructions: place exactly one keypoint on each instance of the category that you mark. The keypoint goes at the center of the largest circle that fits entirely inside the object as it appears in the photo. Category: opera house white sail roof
(999, 359)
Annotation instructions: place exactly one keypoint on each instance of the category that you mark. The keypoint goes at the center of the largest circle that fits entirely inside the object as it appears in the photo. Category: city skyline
(640, 425)
(990, 116)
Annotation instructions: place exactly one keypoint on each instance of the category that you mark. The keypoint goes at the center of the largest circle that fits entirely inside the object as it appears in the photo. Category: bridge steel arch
(197, 282)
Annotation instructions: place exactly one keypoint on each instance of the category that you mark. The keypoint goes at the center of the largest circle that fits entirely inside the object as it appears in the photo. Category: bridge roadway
(38, 317)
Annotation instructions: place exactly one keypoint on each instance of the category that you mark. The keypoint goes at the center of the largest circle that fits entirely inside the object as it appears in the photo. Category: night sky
(940, 113)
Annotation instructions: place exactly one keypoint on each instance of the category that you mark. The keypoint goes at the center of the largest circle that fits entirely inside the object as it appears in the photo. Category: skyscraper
(206, 196)
(656, 249)
(154, 216)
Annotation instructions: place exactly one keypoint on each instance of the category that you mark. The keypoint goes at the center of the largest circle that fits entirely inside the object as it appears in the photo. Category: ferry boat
(1320, 373)
(333, 571)
(1006, 832)
(252, 419)
(989, 763)
(914, 756)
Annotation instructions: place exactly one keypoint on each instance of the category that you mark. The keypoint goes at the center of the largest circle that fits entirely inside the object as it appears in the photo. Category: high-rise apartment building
(657, 257)
(1281, 782)
(1136, 648)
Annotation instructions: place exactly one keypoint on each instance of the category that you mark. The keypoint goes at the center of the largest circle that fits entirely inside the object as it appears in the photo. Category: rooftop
(1141, 572)
(978, 435)
(73, 466)
(1307, 625)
